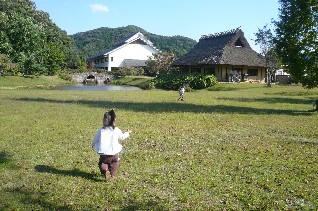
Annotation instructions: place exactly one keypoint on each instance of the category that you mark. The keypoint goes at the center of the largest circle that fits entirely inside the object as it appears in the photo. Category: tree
(160, 63)
(32, 40)
(297, 40)
(264, 38)
(27, 40)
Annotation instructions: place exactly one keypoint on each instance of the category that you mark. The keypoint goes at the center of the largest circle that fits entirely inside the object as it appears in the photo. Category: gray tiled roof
(134, 63)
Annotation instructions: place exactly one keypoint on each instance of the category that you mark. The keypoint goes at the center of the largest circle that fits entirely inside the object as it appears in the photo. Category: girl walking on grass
(106, 144)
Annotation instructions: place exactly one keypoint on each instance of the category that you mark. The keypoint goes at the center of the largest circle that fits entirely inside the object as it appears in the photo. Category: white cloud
(98, 8)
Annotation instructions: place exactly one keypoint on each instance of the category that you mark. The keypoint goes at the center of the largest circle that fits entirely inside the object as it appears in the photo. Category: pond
(102, 87)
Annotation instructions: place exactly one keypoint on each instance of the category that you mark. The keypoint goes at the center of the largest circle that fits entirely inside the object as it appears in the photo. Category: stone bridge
(92, 77)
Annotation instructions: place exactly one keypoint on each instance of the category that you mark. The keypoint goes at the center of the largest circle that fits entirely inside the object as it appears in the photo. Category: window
(195, 70)
(252, 72)
(184, 70)
(239, 43)
(111, 59)
(210, 71)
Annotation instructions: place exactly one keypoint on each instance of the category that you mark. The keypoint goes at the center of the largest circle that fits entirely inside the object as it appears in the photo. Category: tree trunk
(269, 80)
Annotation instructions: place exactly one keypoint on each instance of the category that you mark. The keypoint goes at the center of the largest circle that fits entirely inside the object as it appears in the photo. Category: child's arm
(96, 138)
(122, 136)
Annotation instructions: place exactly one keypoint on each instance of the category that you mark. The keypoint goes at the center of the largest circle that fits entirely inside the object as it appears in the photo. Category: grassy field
(31, 82)
(230, 147)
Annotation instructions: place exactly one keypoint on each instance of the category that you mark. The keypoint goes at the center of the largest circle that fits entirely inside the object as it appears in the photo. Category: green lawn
(38, 82)
(230, 147)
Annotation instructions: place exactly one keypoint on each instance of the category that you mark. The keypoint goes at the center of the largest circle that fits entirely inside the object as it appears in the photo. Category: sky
(188, 18)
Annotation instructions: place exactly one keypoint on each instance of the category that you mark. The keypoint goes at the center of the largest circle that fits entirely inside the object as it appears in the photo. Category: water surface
(83, 87)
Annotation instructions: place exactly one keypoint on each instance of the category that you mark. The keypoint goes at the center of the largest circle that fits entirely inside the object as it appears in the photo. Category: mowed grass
(230, 147)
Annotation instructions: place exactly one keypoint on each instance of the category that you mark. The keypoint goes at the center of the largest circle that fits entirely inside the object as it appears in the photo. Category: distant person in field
(106, 144)
(181, 93)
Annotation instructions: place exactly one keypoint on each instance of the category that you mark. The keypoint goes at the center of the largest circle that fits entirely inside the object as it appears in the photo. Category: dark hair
(109, 119)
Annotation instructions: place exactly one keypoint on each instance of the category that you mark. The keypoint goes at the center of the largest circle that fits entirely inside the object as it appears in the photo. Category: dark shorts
(108, 163)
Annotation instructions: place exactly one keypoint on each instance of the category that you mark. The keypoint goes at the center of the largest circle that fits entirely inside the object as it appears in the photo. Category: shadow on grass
(40, 200)
(4, 157)
(271, 100)
(173, 107)
(73, 173)
(33, 200)
(6, 161)
(226, 88)
(296, 93)
(145, 205)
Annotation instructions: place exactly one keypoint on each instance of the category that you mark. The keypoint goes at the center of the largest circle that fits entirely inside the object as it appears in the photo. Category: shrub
(65, 76)
(174, 81)
(7, 67)
(129, 71)
(147, 85)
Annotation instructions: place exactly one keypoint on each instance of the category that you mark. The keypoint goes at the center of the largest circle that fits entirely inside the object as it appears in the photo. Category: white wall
(131, 51)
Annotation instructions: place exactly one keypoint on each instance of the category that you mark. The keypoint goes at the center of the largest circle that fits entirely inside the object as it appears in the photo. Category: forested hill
(98, 40)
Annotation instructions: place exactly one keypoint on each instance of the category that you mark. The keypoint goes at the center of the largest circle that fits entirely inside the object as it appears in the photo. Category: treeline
(98, 40)
(31, 41)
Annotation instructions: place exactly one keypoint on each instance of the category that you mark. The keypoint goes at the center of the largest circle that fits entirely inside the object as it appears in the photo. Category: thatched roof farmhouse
(227, 55)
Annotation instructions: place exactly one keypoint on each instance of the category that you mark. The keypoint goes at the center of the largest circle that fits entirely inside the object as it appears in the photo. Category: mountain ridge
(97, 40)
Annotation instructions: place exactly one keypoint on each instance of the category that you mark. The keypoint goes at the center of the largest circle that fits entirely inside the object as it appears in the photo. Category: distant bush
(129, 71)
(147, 85)
(65, 76)
(203, 81)
(7, 67)
(174, 81)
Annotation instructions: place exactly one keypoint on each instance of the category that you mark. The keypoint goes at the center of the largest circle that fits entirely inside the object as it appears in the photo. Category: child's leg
(114, 165)
(102, 164)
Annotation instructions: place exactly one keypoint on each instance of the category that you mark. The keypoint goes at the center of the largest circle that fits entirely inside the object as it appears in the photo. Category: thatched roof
(229, 48)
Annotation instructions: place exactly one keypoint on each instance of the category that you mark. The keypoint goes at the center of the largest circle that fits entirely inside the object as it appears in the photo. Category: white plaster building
(132, 51)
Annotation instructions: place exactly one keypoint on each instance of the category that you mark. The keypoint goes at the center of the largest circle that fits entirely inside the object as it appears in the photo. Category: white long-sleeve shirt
(105, 141)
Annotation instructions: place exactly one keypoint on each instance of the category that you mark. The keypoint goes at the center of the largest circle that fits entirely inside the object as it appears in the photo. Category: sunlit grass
(40, 82)
(231, 147)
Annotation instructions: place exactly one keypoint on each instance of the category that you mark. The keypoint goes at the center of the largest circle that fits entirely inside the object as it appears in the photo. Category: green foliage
(98, 40)
(147, 85)
(143, 82)
(265, 39)
(296, 40)
(128, 71)
(65, 76)
(32, 40)
(173, 81)
(55, 58)
(6, 66)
